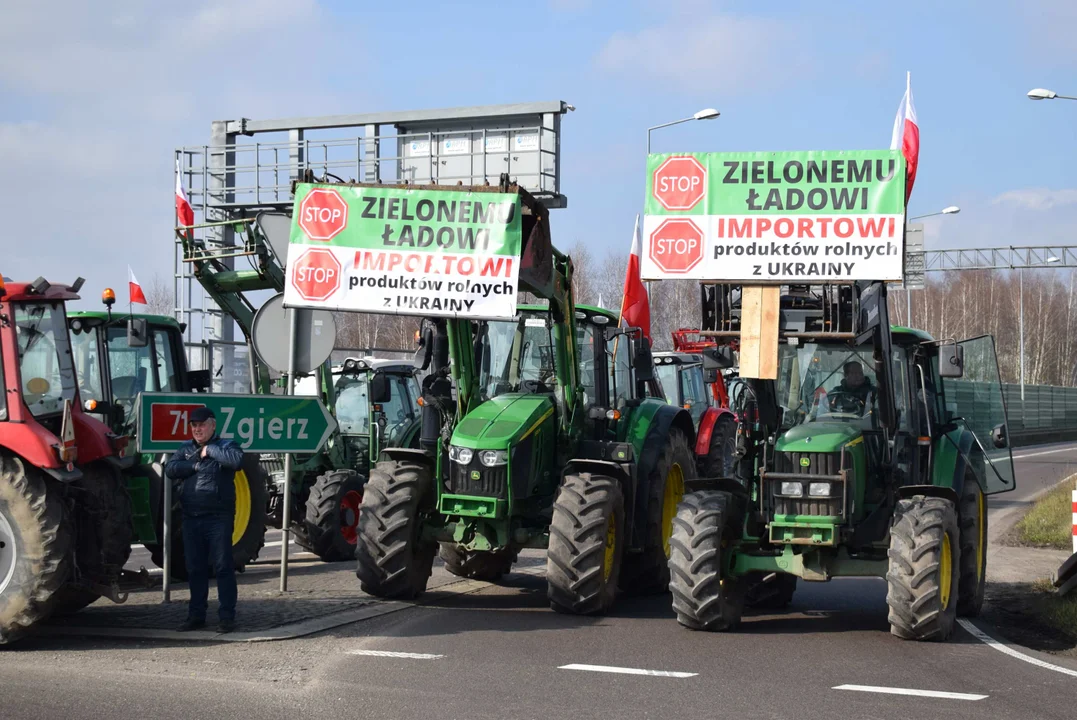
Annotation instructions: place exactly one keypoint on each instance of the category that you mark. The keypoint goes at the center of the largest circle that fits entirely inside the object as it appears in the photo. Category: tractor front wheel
(925, 561)
(583, 561)
(393, 561)
(476, 565)
(35, 547)
(332, 519)
(705, 597)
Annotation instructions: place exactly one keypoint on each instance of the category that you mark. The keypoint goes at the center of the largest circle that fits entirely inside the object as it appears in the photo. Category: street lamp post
(1041, 94)
(1021, 322)
(951, 210)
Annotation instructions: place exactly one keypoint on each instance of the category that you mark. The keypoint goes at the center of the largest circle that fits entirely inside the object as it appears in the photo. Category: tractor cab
(682, 380)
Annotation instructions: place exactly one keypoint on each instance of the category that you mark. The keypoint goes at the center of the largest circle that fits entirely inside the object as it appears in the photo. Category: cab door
(976, 401)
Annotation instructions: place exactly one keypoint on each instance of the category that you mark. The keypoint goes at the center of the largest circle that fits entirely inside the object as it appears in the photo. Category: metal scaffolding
(1001, 258)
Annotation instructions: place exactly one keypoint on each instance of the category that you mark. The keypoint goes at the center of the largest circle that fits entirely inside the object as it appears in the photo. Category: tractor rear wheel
(925, 561)
(722, 456)
(703, 533)
(477, 565)
(773, 595)
(104, 536)
(972, 515)
(587, 535)
(393, 561)
(332, 518)
(648, 572)
(35, 547)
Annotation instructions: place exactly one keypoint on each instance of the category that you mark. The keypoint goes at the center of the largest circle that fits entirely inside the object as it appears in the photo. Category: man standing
(207, 466)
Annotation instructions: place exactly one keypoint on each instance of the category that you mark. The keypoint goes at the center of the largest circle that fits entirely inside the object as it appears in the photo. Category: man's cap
(201, 414)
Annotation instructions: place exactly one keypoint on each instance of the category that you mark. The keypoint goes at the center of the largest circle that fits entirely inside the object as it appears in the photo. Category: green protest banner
(775, 216)
(397, 250)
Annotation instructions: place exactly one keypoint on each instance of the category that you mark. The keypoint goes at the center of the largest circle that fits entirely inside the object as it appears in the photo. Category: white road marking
(1045, 452)
(910, 691)
(627, 671)
(387, 653)
(1006, 649)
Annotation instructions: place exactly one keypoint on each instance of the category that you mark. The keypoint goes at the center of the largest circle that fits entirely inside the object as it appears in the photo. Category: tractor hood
(817, 437)
(498, 423)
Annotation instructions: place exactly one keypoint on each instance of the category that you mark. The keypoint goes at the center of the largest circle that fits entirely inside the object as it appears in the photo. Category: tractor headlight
(460, 455)
(493, 458)
(819, 489)
(792, 489)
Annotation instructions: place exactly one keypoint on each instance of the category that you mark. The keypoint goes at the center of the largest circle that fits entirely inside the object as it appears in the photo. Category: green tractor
(872, 454)
(374, 401)
(544, 431)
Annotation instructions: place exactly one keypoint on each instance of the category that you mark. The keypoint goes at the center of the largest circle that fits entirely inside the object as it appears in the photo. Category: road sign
(323, 214)
(676, 246)
(680, 183)
(315, 335)
(258, 423)
(316, 275)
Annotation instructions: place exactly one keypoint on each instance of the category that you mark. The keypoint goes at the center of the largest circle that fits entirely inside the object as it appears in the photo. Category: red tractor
(65, 515)
(686, 374)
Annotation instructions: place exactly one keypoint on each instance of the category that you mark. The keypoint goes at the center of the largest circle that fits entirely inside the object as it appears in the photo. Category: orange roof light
(108, 297)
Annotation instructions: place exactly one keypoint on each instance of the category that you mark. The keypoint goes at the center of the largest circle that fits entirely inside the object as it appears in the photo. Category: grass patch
(1059, 612)
(1049, 522)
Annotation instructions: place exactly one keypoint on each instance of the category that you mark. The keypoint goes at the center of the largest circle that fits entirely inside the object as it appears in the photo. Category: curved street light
(1044, 94)
(952, 210)
(704, 114)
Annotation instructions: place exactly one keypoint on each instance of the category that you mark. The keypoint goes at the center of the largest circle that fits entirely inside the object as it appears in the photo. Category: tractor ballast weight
(876, 475)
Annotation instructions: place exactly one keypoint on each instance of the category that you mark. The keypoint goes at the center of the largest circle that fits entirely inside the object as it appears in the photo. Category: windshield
(86, 350)
(826, 382)
(353, 405)
(667, 375)
(45, 368)
(516, 356)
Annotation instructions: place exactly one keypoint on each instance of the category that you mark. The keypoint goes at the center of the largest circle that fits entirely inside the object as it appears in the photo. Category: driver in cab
(855, 393)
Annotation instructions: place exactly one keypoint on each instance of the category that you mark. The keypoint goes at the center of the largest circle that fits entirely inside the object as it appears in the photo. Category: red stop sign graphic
(680, 183)
(676, 246)
(316, 274)
(323, 214)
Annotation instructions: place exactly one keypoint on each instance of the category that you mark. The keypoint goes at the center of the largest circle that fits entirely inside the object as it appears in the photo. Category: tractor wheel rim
(980, 533)
(945, 571)
(8, 553)
(611, 548)
(349, 515)
(243, 507)
(671, 498)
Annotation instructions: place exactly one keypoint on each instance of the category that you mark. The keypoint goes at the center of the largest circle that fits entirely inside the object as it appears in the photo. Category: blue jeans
(207, 542)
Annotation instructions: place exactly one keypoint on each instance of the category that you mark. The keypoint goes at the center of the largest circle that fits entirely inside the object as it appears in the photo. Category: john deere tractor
(865, 457)
(546, 430)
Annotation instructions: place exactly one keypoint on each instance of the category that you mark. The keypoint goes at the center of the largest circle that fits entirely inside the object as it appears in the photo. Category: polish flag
(184, 212)
(635, 307)
(134, 289)
(906, 136)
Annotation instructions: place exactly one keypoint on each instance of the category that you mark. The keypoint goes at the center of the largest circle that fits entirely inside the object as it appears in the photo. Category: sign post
(286, 518)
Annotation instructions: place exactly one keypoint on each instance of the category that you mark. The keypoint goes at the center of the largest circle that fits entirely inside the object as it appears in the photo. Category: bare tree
(158, 296)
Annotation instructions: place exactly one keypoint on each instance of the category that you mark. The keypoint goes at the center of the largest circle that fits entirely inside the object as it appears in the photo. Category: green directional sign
(258, 423)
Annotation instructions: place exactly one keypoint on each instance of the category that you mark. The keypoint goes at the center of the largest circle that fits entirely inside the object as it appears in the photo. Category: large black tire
(35, 547)
(924, 573)
(773, 595)
(648, 572)
(721, 458)
(476, 565)
(703, 531)
(392, 559)
(104, 534)
(252, 498)
(332, 518)
(587, 533)
(972, 515)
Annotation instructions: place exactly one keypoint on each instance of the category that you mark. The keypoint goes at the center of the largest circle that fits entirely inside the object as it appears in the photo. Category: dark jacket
(863, 393)
(208, 482)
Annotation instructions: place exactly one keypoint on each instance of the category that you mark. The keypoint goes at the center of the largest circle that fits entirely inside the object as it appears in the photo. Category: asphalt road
(501, 653)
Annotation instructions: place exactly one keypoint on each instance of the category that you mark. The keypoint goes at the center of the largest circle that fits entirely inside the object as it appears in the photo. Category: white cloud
(713, 53)
(1038, 199)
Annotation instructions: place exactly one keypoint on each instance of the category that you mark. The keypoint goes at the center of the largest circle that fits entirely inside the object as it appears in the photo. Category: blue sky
(93, 102)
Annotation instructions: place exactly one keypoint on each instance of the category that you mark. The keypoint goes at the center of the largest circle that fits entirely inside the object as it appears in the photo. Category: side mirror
(998, 436)
(199, 380)
(379, 389)
(137, 332)
(951, 361)
(643, 362)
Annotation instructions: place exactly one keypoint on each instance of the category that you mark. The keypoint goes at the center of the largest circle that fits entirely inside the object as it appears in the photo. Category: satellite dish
(276, 228)
(316, 334)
